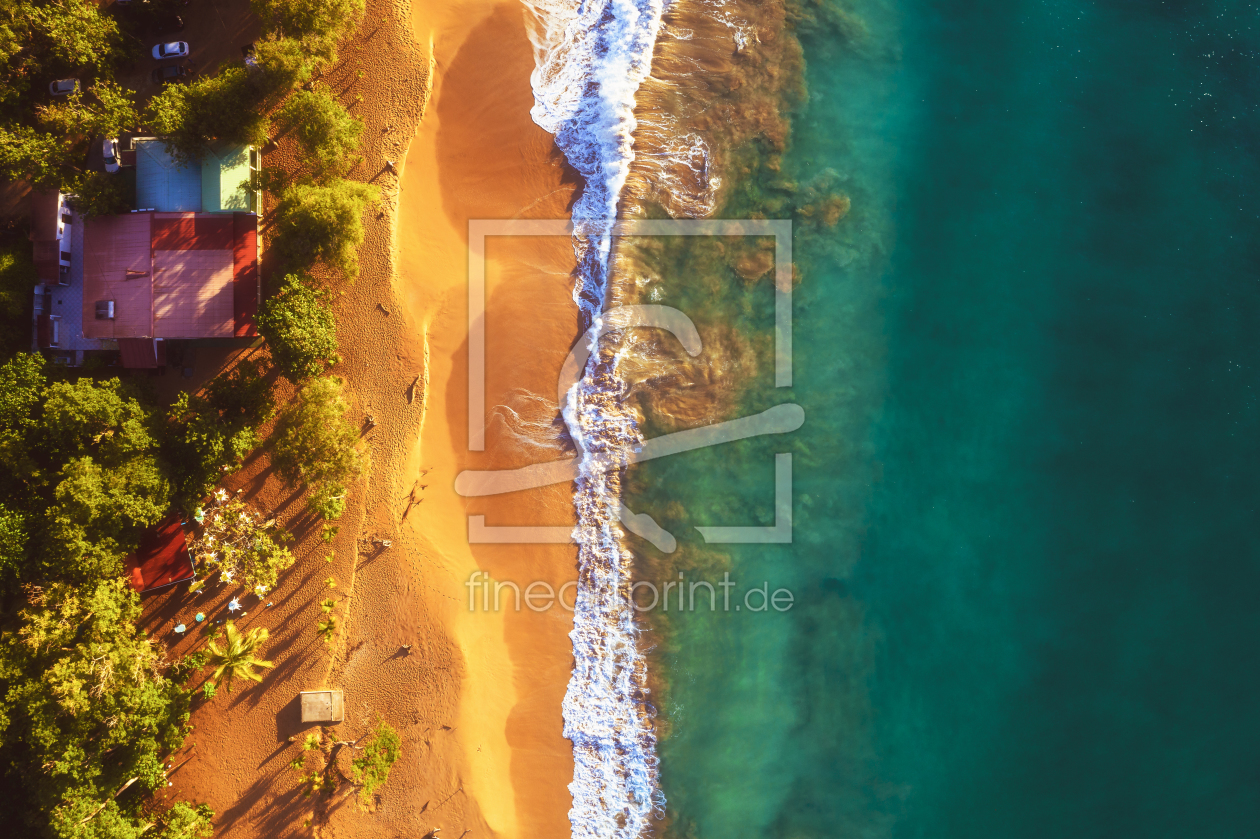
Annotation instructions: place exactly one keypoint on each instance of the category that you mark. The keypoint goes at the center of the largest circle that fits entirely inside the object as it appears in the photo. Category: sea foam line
(590, 58)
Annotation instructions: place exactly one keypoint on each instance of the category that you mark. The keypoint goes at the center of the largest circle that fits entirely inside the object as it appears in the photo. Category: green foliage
(109, 111)
(14, 530)
(328, 501)
(80, 461)
(73, 34)
(86, 708)
(227, 107)
(283, 64)
(209, 690)
(100, 194)
(371, 769)
(327, 629)
(300, 329)
(235, 541)
(17, 280)
(208, 437)
(183, 821)
(317, 24)
(235, 658)
(322, 223)
(325, 131)
(42, 41)
(317, 445)
(44, 160)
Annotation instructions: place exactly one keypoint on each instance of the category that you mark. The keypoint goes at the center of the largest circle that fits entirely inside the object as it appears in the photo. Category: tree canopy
(317, 24)
(298, 324)
(322, 223)
(86, 708)
(324, 129)
(316, 444)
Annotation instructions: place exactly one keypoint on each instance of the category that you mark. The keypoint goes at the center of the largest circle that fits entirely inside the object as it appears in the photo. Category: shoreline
(478, 154)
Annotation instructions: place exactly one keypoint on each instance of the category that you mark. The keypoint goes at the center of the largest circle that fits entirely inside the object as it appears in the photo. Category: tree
(298, 324)
(325, 130)
(314, 442)
(80, 461)
(86, 709)
(380, 752)
(318, 24)
(234, 540)
(44, 160)
(111, 112)
(100, 194)
(208, 437)
(314, 223)
(227, 107)
(235, 657)
(74, 34)
(283, 64)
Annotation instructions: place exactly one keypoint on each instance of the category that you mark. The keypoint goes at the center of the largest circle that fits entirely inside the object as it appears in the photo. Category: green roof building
(217, 184)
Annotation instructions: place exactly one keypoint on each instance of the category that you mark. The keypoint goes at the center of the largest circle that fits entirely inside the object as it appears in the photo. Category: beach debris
(390, 168)
(406, 648)
(413, 389)
(371, 421)
(180, 629)
(381, 306)
(234, 605)
(200, 617)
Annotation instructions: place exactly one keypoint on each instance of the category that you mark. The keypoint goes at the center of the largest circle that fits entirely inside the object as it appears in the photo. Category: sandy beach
(445, 95)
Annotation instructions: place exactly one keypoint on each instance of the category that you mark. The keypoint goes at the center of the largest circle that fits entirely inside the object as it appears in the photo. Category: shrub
(300, 329)
(322, 223)
(371, 769)
(316, 444)
(325, 130)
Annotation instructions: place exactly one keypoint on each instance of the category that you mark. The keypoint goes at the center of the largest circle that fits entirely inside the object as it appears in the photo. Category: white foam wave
(590, 58)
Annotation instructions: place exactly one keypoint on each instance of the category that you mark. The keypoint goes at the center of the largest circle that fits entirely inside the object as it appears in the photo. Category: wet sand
(478, 155)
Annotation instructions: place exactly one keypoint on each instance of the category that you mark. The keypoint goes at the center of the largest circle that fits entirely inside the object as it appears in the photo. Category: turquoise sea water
(1026, 553)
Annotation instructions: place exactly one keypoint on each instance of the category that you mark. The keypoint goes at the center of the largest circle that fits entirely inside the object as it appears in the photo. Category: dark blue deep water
(1026, 551)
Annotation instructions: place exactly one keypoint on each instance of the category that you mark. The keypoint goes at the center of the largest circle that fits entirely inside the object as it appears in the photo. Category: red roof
(162, 558)
(172, 275)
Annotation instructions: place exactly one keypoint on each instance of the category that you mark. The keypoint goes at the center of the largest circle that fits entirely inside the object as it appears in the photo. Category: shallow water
(1025, 551)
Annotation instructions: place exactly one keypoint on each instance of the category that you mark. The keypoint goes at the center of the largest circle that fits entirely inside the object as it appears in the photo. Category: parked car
(171, 49)
(109, 150)
(170, 73)
(63, 86)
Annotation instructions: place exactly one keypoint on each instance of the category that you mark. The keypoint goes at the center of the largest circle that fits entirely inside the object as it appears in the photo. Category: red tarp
(162, 558)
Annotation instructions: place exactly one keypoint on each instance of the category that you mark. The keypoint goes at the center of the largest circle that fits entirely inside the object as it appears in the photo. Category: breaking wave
(590, 59)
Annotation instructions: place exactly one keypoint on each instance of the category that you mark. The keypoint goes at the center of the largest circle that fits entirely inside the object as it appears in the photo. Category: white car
(110, 151)
(63, 86)
(173, 49)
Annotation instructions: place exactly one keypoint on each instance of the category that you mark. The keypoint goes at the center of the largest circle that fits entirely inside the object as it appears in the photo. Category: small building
(162, 558)
(323, 705)
(217, 183)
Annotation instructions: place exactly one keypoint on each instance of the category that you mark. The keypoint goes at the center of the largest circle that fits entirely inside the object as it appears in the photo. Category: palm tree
(236, 656)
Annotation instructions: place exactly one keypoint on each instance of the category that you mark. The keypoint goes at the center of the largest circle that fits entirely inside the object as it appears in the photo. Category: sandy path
(477, 701)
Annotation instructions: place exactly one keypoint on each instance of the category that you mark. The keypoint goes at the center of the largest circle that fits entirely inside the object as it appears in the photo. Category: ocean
(1024, 550)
